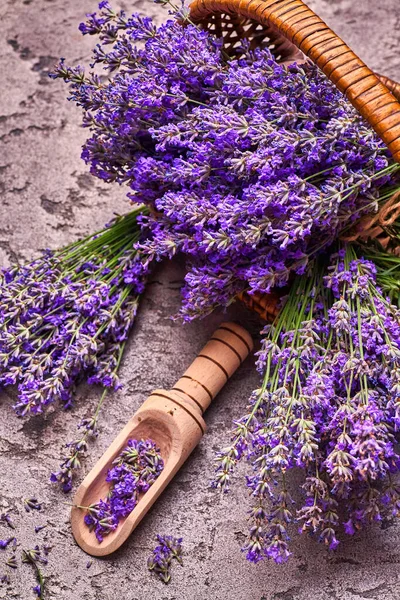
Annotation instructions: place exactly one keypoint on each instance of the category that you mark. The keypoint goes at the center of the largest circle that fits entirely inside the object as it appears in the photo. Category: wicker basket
(293, 32)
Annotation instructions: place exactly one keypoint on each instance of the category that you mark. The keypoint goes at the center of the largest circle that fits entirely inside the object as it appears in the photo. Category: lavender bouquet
(253, 170)
(65, 318)
(329, 403)
(250, 168)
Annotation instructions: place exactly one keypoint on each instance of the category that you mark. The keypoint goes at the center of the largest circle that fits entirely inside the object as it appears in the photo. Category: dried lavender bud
(34, 555)
(5, 518)
(134, 470)
(39, 528)
(32, 504)
(5, 543)
(173, 544)
(89, 564)
(100, 519)
(5, 579)
(160, 561)
(12, 562)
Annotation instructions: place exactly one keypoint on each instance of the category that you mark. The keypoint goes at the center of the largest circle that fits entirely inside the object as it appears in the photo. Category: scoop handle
(228, 347)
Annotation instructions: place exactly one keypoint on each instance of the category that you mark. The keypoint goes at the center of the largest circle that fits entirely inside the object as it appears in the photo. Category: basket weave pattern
(298, 24)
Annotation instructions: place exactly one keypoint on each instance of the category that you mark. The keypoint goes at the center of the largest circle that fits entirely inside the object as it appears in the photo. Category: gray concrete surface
(48, 199)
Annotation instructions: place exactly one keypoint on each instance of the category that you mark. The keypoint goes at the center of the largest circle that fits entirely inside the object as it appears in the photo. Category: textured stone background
(48, 199)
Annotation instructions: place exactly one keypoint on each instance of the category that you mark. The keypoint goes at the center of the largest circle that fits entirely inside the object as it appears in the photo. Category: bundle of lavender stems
(65, 318)
(254, 171)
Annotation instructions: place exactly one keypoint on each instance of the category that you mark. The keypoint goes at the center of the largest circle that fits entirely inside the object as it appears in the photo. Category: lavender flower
(100, 519)
(134, 470)
(32, 504)
(78, 448)
(250, 167)
(39, 528)
(160, 561)
(328, 404)
(34, 557)
(12, 562)
(5, 518)
(67, 315)
(5, 543)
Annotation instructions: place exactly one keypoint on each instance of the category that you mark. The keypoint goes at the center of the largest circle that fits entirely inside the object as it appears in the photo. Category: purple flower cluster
(134, 470)
(67, 315)
(329, 404)
(249, 166)
(160, 561)
(77, 449)
(35, 556)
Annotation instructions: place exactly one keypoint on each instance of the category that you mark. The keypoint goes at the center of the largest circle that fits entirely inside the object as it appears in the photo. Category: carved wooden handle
(300, 25)
(217, 361)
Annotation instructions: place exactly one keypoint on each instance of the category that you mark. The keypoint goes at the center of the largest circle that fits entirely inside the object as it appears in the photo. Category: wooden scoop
(173, 420)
